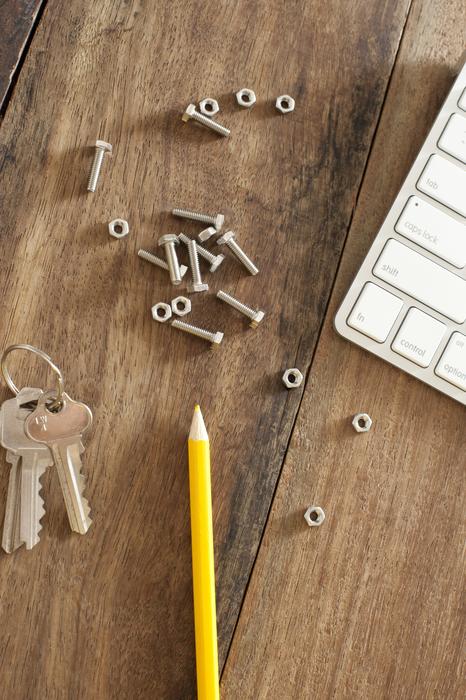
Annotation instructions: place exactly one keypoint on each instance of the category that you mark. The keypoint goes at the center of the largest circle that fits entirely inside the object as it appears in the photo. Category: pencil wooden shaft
(205, 621)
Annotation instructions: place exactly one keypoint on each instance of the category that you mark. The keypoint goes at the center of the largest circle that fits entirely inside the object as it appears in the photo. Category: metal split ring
(43, 356)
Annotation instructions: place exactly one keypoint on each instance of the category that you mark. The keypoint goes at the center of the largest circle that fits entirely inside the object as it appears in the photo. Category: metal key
(62, 432)
(24, 502)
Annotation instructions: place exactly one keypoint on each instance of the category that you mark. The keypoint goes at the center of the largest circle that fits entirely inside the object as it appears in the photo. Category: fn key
(375, 312)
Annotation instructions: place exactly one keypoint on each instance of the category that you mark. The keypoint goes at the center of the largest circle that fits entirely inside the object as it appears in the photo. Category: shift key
(422, 279)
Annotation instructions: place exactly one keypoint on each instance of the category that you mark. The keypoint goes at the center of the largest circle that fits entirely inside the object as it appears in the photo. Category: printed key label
(73, 419)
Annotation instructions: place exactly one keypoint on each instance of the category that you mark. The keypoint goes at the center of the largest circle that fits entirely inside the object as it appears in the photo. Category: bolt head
(209, 107)
(183, 270)
(245, 97)
(362, 422)
(217, 262)
(207, 233)
(188, 113)
(118, 228)
(161, 312)
(192, 288)
(292, 378)
(218, 337)
(285, 104)
(103, 144)
(257, 319)
(168, 238)
(314, 516)
(219, 221)
(228, 236)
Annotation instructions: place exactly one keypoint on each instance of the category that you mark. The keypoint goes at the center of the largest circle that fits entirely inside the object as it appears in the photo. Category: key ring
(43, 356)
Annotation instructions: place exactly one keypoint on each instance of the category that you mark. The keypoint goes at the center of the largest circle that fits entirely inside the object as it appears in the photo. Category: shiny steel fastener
(168, 242)
(181, 306)
(254, 315)
(216, 220)
(155, 260)
(314, 516)
(118, 228)
(228, 239)
(207, 233)
(212, 337)
(161, 312)
(292, 378)
(285, 104)
(213, 260)
(101, 148)
(362, 422)
(246, 97)
(197, 284)
(209, 106)
(192, 113)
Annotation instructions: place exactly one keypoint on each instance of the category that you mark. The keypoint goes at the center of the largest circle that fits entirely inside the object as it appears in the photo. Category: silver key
(11, 539)
(25, 502)
(62, 432)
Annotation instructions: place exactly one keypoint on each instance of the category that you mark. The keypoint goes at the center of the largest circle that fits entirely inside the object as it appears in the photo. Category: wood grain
(369, 605)
(17, 20)
(110, 614)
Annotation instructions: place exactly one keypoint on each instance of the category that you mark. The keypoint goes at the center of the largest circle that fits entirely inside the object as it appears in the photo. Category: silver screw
(197, 285)
(192, 113)
(169, 242)
(216, 220)
(228, 238)
(101, 147)
(214, 260)
(253, 314)
(155, 260)
(214, 338)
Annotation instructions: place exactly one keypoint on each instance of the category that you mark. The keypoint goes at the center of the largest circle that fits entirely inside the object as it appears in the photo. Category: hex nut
(118, 228)
(207, 233)
(314, 516)
(292, 378)
(362, 422)
(285, 104)
(245, 98)
(181, 306)
(161, 312)
(209, 107)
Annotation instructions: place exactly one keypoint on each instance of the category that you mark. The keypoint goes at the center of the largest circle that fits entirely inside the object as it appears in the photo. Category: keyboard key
(462, 100)
(452, 364)
(375, 312)
(434, 230)
(445, 182)
(419, 337)
(453, 138)
(422, 279)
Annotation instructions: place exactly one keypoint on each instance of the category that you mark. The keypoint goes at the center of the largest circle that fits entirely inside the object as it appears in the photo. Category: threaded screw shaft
(254, 315)
(228, 239)
(216, 220)
(101, 147)
(212, 337)
(169, 242)
(213, 260)
(155, 260)
(194, 262)
(192, 113)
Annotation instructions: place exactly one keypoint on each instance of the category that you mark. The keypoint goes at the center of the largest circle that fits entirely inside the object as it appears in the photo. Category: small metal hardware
(181, 306)
(211, 337)
(192, 113)
(254, 315)
(292, 378)
(245, 97)
(118, 228)
(213, 260)
(161, 312)
(101, 148)
(228, 238)
(209, 107)
(197, 284)
(314, 516)
(169, 242)
(207, 233)
(155, 260)
(216, 220)
(362, 422)
(285, 104)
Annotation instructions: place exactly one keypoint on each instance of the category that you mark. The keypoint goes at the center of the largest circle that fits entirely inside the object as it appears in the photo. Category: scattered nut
(285, 104)
(292, 378)
(181, 306)
(161, 312)
(209, 107)
(245, 97)
(314, 516)
(207, 233)
(118, 228)
(362, 422)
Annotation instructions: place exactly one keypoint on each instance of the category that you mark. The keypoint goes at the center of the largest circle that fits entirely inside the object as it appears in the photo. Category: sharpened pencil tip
(198, 430)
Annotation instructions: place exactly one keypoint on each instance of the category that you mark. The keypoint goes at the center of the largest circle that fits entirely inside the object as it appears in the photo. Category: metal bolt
(101, 147)
(253, 314)
(192, 113)
(214, 260)
(214, 338)
(216, 220)
(155, 260)
(207, 233)
(228, 238)
(169, 242)
(197, 285)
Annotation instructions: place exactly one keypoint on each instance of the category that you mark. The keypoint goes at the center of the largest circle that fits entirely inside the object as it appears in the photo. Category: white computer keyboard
(407, 303)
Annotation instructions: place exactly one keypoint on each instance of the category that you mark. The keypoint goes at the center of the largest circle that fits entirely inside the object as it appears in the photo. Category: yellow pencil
(202, 543)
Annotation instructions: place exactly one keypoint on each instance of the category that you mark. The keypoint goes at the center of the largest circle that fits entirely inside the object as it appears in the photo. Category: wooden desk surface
(368, 605)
